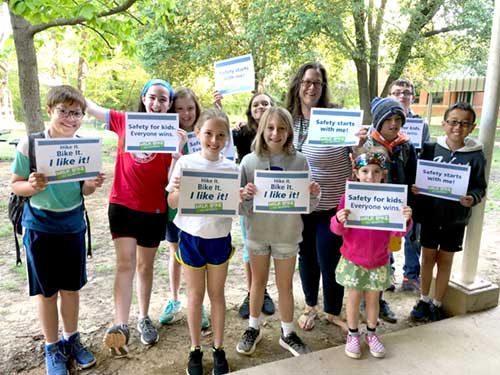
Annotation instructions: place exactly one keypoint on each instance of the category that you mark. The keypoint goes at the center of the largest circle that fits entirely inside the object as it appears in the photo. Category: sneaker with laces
(195, 364)
(436, 313)
(377, 349)
(385, 312)
(244, 309)
(74, 349)
(410, 285)
(205, 320)
(220, 362)
(149, 334)
(268, 307)
(55, 360)
(116, 339)
(353, 346)
(249, 341)
(294, 344)
(421, 311)
(171, 313)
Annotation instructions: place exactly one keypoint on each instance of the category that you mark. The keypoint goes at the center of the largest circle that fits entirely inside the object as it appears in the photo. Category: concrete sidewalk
(468, 344)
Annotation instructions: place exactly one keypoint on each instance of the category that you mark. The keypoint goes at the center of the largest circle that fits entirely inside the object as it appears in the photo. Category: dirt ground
(21, 342)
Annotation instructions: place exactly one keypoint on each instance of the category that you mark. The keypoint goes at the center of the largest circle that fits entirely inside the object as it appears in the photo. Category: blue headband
(161, 82)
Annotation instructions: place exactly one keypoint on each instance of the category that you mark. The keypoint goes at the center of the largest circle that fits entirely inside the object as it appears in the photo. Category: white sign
(209, 193)
(334, 127)
(193, 144)
(442, 180)
(235, 75)
(413, 128)
(151, 132)
(376, 206)
(68, 159)
(281, 192)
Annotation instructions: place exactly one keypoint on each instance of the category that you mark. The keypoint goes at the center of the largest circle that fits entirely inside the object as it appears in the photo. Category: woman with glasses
(330, 167)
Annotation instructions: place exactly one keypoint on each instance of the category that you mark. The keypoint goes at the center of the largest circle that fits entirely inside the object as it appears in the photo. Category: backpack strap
(87, 222)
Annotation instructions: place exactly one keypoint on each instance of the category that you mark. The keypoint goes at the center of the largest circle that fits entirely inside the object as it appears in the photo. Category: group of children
(140, 218)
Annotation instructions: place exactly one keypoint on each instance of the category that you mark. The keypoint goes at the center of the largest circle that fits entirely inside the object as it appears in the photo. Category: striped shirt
(330, 166)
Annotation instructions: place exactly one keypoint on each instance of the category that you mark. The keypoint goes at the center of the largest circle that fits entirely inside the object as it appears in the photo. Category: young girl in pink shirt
(364, 268)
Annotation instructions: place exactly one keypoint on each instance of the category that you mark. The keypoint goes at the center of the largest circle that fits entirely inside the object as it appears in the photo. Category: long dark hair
(292, 101)
(252, 125)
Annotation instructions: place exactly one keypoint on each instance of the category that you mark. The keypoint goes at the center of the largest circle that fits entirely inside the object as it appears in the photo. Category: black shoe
(220, 362)
(386, 313)
(294, 344)
(268, 307)
(421, 311)
(244, 310)
(436, 313)
(195, 364)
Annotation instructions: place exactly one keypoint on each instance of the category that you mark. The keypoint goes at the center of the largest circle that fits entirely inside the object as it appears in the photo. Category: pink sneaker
(353, 346)
(377, 349)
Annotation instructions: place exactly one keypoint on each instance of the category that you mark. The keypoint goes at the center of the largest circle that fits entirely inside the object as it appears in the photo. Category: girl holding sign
(243, 136)
(276, 235)
(205, 242)
(137, 218)
(185, 104)
(364, 267)
(330, 167)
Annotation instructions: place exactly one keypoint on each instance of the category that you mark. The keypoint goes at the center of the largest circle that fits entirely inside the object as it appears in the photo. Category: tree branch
(80, 20)
(101, 35)
(430, 33)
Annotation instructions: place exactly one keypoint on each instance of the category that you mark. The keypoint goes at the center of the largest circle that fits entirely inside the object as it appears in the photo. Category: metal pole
(487, 130)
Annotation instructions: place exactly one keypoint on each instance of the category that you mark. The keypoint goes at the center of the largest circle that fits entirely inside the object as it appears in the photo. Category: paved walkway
(461, 345)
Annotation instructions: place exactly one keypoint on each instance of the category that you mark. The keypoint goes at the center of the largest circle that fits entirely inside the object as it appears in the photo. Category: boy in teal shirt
(54, 236)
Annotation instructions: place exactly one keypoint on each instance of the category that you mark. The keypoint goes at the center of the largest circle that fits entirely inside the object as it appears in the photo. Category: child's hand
(314, 188)
(467, 201)
(248, 191)
(362, 134)
(407, 212)
(342, 215)
(239, 125)
(217, 100)
(96, 182)
(414, 189)
(182, 134)
(38, 181)
(176, 183)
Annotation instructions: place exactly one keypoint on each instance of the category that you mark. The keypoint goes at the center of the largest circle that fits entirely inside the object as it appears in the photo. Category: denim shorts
(277, 251)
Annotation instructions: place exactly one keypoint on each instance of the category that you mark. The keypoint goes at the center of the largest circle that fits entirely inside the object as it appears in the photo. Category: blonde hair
(284, 118)
(212, 114)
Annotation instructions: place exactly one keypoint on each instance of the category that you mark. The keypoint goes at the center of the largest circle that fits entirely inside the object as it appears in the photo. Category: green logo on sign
(371, 220)
(207, 207)
(150, 145)
(65, 173)
(281, 205)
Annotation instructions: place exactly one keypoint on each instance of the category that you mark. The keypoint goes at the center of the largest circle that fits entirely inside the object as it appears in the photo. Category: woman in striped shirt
(330, 167)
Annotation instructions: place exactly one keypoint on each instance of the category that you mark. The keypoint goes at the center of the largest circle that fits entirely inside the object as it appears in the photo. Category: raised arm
(96, 110)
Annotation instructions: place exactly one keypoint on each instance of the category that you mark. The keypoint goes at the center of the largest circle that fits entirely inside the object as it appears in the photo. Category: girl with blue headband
(137, 217)
(364, 268)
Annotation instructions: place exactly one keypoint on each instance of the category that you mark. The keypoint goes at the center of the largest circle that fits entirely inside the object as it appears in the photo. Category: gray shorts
(277, 251)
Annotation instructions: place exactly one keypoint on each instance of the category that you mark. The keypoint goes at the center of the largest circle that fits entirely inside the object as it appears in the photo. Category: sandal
(338, 321)
(306, 320)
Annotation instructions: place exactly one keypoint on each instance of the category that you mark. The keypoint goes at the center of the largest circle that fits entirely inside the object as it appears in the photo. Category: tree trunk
(363, 90)
(82, 74)
(28, 73)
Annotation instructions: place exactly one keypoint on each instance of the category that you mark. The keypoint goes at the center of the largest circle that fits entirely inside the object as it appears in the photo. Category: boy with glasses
(444, 221)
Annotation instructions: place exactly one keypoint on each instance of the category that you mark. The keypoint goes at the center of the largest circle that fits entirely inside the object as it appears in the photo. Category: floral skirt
(352, 276)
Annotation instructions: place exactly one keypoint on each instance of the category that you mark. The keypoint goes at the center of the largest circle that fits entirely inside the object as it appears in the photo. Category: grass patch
(104, 268)
(10, 286)
(6, 230)
(19, 271)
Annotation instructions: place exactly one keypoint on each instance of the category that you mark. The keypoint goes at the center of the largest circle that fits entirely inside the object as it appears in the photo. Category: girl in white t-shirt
(205, 242)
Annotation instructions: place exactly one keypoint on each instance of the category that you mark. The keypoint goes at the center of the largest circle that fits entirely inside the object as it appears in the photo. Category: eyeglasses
(405, 93)
(315, 84)
(72, 114)
(454, 123)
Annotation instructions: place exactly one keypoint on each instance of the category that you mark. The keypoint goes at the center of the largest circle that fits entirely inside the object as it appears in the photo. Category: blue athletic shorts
(197, 252)
(172, 232)
(147, 228)
(55, 262)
